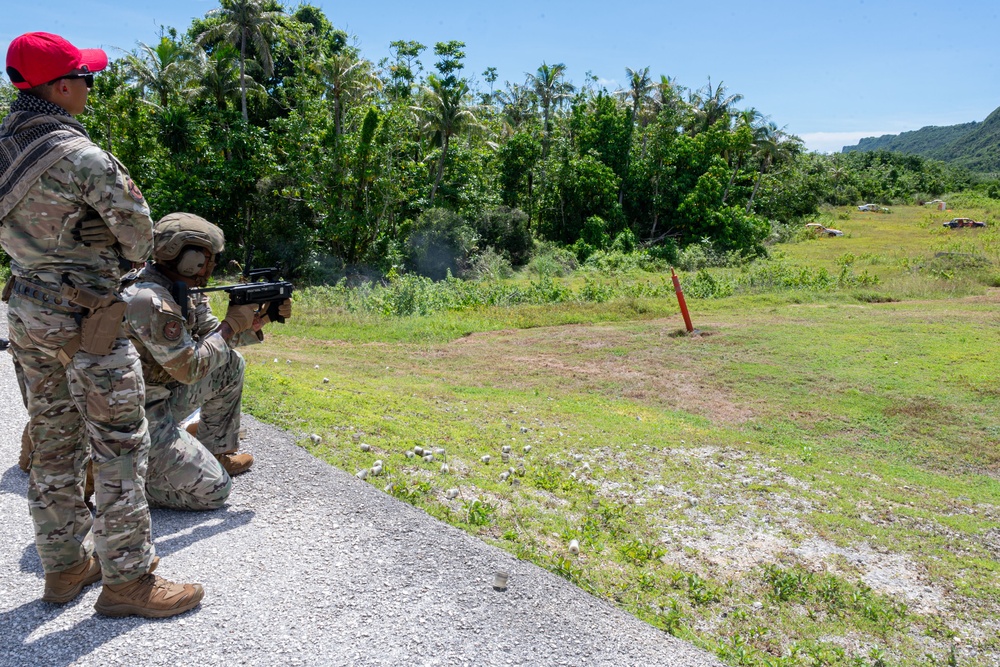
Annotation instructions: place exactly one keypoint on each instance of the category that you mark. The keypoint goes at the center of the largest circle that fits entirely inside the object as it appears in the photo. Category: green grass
(813, 481)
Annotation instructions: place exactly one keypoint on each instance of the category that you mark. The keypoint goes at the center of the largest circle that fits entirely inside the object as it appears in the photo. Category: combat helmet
(176, 230)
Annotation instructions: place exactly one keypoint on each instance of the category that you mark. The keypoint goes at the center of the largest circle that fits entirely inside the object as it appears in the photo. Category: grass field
(811, 481)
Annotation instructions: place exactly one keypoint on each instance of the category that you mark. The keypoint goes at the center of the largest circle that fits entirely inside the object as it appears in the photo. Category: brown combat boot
(61, 587)
(235, 463)
(24, 461)
(149, 596)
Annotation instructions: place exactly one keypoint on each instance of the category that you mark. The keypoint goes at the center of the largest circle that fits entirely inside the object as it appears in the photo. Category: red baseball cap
(39, 57)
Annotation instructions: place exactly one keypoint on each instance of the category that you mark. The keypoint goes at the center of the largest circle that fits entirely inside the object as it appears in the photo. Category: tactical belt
(43, 296)
(102, 315)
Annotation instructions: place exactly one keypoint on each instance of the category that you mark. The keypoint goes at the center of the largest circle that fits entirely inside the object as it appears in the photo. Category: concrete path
(310, 566)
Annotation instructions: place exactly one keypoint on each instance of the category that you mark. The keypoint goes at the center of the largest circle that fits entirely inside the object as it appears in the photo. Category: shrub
(552, 260)
(506, 231)
(440, 243)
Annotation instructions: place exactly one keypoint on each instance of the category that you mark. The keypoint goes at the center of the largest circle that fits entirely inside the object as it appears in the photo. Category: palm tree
(711, 106)
(517, 102)
(640, 86)
(243, 22)
(443, 114)
(217, 76)
(773, 147)
(751, 118)
(345, 76)
(551, 91)
(160, 69)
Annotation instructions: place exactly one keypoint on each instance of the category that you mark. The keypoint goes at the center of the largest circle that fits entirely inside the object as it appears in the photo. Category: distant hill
(975, 145)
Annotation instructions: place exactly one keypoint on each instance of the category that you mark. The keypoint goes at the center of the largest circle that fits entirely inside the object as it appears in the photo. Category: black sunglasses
(88, 79)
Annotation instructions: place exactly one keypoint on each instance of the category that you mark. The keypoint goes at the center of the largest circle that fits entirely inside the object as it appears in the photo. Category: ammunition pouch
(101, 328)
(100, 315)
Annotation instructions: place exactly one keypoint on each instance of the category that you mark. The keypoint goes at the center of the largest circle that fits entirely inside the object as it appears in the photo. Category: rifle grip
(272, 311)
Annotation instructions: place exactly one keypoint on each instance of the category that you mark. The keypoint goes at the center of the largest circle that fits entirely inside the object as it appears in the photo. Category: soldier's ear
(191, 262)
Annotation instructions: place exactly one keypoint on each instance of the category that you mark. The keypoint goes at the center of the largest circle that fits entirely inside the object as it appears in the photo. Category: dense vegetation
(975, 146)
(273, 124)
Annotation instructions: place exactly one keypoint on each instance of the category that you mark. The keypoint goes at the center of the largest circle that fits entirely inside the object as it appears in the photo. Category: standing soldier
(69, 212)
(189, 363)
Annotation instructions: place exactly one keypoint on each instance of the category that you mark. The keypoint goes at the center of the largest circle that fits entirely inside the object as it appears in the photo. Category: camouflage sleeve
(109, 190)
(206, 322)
(156, 321)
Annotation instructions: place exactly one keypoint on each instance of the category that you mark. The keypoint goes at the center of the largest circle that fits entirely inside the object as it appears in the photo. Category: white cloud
(833, 142)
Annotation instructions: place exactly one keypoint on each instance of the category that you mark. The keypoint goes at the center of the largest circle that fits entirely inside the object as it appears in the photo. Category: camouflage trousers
(92, 408)
(183, 471)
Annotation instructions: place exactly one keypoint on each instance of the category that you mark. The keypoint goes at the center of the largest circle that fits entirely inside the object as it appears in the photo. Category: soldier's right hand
(93, 232)
(240, 318)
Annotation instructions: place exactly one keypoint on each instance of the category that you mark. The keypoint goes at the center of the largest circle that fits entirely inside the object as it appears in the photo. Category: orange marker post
(681, 302)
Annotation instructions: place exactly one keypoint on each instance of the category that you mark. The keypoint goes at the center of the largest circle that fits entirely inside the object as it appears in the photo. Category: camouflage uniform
(93, 406)
(186, 365)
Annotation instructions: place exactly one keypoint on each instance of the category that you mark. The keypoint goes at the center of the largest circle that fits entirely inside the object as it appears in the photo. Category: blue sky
(830, 71)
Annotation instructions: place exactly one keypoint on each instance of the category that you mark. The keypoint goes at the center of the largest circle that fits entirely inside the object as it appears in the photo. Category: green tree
(245, 23)
(160, 69)
(550, 90)
(443, 113)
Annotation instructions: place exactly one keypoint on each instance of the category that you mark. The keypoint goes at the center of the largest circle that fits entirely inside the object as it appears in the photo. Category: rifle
(259, 286)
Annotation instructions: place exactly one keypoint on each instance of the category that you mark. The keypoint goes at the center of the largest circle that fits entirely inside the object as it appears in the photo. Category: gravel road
(308, 565)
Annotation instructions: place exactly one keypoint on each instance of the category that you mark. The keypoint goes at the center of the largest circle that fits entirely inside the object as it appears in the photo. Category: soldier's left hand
(93, 232)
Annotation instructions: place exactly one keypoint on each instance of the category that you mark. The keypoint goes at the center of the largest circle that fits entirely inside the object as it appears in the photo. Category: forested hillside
(975, 146)
(272, 123)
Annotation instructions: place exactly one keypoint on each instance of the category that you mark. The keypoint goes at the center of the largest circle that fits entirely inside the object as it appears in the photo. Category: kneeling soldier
(188, 362)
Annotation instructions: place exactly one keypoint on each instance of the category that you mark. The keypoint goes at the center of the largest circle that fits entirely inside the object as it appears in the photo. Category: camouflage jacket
(86, 183)
(173, 349)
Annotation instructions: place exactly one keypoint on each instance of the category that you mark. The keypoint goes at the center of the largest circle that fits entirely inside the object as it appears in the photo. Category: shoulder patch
(133, 191)
(172, 330)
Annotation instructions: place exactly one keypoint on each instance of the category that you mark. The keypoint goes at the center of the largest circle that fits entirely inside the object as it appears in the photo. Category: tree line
(272, 124)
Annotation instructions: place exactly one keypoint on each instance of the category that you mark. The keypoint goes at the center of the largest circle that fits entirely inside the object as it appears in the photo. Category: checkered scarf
(33, 137)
